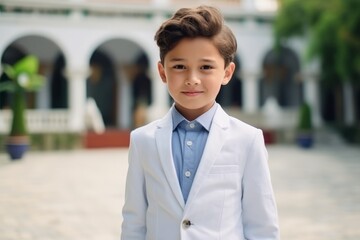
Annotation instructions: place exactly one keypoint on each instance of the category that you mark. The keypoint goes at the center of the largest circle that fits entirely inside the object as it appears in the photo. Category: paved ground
(78, 195)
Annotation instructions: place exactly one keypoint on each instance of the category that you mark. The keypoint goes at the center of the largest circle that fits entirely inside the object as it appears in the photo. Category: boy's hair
(203, 21)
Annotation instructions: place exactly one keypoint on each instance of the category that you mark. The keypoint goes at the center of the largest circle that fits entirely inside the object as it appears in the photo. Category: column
(348, 95)
(160, 101)
(250, 93)
(311, 96)
(77, 97)
(160, 104)
(125, 101)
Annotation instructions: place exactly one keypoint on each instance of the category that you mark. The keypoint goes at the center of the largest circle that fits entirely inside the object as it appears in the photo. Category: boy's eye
(206, 67)
(179, 67)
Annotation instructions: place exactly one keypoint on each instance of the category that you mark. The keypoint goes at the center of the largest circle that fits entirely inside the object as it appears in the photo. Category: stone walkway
(317, 192)
(78, 195)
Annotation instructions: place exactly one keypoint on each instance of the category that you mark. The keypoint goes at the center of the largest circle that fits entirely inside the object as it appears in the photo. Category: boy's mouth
(192, 93)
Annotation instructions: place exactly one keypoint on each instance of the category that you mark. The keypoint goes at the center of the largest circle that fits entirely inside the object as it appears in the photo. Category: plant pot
(305, 140)
(16, 146)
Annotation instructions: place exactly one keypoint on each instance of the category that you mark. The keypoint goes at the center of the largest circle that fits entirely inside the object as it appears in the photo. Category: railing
(57, 121)
(39, 121)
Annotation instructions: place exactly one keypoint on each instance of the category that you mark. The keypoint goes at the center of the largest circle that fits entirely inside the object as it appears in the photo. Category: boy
(197, 174)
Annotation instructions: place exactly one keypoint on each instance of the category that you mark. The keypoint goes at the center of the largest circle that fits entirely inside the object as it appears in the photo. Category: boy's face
(194, 72)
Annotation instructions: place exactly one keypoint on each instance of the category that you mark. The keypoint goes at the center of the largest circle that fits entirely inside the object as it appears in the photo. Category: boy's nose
(192, 80)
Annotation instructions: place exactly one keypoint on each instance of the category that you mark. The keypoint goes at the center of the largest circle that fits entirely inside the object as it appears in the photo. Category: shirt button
(187, 173)
(189, 143)
(192, 125)
(186, 223)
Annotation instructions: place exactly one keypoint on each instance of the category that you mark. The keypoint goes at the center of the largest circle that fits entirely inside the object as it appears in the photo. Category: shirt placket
(188, 170)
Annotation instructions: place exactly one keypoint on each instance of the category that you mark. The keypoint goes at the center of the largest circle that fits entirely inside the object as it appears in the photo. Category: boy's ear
(161, 71)
(229, 71)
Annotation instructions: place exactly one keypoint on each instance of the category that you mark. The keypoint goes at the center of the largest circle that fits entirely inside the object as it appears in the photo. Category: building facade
(105, 50)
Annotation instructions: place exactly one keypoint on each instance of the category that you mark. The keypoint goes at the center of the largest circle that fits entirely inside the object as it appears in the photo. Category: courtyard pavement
(78, 194)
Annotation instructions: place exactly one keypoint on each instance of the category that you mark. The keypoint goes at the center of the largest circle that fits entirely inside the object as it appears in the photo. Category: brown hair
(203, 21)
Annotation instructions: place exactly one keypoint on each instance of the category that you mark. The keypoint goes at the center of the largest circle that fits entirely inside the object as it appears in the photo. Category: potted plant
(22, 77)
(305, 136)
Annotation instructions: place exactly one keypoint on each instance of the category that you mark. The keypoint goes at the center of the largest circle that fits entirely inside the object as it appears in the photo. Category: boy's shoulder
(241, 132)
(147, 127)
(150, 128)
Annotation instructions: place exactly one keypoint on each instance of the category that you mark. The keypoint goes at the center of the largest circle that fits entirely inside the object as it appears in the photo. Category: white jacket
(231, 197)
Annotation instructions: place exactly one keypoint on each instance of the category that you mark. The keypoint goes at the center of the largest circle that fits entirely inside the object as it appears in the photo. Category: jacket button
(186, 223)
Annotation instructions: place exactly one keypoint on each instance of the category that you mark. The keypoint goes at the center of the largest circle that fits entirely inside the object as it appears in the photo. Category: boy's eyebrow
(176, 59)
(208, 60)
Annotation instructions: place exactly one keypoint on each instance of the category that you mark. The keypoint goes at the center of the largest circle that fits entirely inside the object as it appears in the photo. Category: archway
(47, 52)
(101, 86)
(280, 78)
(119, 83)
(59, 84)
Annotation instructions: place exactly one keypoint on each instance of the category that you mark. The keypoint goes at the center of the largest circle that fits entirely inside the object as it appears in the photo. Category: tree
(333, 30)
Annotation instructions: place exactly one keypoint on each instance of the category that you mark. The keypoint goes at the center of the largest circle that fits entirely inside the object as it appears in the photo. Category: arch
(46, 50)
(120, 66)
(59, 84)
(280, 77)
(10, 39)
(44, 37)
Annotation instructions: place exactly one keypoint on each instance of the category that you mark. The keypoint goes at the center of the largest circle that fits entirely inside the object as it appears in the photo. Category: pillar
(311, 96)
(125, 101)
(160, 103)
(250, 93)
(77, 97)
(348, 95)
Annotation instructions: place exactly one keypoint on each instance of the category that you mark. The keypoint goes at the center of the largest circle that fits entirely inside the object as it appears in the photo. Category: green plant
(305, 118)
(332, 30)
(22, 77)
(305, 135)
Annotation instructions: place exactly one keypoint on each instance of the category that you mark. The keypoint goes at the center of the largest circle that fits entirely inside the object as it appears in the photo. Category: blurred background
(297, 78)
(290, 53)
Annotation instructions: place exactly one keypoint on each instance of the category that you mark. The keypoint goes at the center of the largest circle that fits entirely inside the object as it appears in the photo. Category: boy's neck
(192, 114)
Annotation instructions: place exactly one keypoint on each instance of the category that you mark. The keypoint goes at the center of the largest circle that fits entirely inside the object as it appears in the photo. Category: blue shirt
(188, 143)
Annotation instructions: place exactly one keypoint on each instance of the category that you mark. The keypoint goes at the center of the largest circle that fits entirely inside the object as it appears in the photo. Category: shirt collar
(205, 119)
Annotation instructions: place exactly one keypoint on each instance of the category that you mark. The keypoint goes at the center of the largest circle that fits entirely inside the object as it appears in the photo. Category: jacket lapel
(212, 150)
(163, 142)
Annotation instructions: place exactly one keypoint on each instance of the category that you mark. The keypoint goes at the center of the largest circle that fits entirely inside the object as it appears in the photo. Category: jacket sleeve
(134, 210)
(259, 217)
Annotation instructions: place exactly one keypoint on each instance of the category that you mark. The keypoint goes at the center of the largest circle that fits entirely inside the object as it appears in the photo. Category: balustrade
(39, 121)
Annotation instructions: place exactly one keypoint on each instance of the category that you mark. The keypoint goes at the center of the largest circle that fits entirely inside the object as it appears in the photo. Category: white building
(97, 48)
